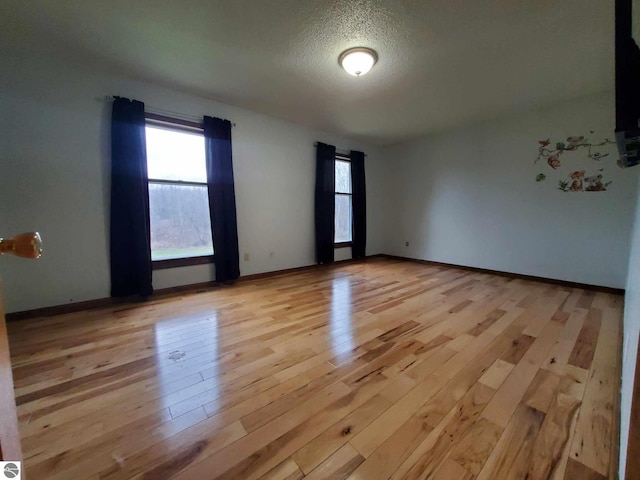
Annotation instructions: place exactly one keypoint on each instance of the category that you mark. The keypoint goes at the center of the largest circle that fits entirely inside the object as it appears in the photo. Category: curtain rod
(347, 150)
(168, 113)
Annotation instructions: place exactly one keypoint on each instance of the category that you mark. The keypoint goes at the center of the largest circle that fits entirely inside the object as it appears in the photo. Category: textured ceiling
(441, 63)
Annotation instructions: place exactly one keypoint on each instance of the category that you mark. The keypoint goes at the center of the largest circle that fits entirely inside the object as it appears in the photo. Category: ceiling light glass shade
(358, 61)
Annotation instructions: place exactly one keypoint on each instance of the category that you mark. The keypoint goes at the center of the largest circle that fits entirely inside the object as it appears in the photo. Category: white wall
(468, 197)
(630, 344)
(54, 178)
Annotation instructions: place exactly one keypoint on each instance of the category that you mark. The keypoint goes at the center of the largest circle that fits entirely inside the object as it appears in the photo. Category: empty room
(319, 239)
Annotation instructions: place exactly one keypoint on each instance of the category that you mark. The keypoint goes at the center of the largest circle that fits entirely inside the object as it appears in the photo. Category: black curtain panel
(359, 205)
(325, 202)
(130, 245)
(222, 198)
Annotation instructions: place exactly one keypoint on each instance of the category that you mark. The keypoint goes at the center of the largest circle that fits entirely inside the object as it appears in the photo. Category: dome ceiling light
(358, 61)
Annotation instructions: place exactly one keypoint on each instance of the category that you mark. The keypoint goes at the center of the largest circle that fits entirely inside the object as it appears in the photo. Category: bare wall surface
(469, 197)
(630, 344)
(54, 155)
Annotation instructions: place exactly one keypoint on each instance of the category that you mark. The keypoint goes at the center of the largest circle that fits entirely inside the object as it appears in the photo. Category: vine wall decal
(577, 180)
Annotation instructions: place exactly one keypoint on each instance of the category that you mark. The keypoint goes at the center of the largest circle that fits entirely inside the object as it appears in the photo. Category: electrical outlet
(406, 244)
(246, 257)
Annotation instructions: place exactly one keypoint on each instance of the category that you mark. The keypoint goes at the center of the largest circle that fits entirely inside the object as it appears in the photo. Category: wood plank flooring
(377, 370)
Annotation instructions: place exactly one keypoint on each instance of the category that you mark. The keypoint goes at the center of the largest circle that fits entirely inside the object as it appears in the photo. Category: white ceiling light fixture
(358, 61)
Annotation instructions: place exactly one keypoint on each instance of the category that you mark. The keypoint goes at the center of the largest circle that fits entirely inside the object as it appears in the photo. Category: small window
(343, 218)
(178, 199)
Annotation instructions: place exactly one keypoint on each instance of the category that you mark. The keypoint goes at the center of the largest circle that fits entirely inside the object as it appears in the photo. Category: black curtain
(325, 202)
(222, 198)
(359, 205)
(130, 244)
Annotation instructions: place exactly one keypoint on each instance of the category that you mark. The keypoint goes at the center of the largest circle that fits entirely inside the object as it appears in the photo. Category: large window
(343, 219)
(178, 199)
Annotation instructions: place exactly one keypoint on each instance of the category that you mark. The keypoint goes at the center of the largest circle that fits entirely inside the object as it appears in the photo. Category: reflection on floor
(375, 370)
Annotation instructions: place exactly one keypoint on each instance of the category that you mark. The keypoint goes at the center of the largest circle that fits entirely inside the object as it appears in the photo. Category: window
(178, 198)
(343, 219)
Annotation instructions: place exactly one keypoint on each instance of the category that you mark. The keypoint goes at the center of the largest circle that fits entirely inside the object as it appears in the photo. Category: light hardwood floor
(375, 370)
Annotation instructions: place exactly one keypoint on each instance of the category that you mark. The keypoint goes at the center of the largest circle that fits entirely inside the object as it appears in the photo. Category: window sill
(181, 262)
(343, 245)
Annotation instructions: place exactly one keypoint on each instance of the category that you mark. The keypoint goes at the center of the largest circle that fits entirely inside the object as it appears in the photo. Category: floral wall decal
(575, 180)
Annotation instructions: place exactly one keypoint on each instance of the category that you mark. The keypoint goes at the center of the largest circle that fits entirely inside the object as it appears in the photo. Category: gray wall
(630, 345)
(54, 155)
(469, 197)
